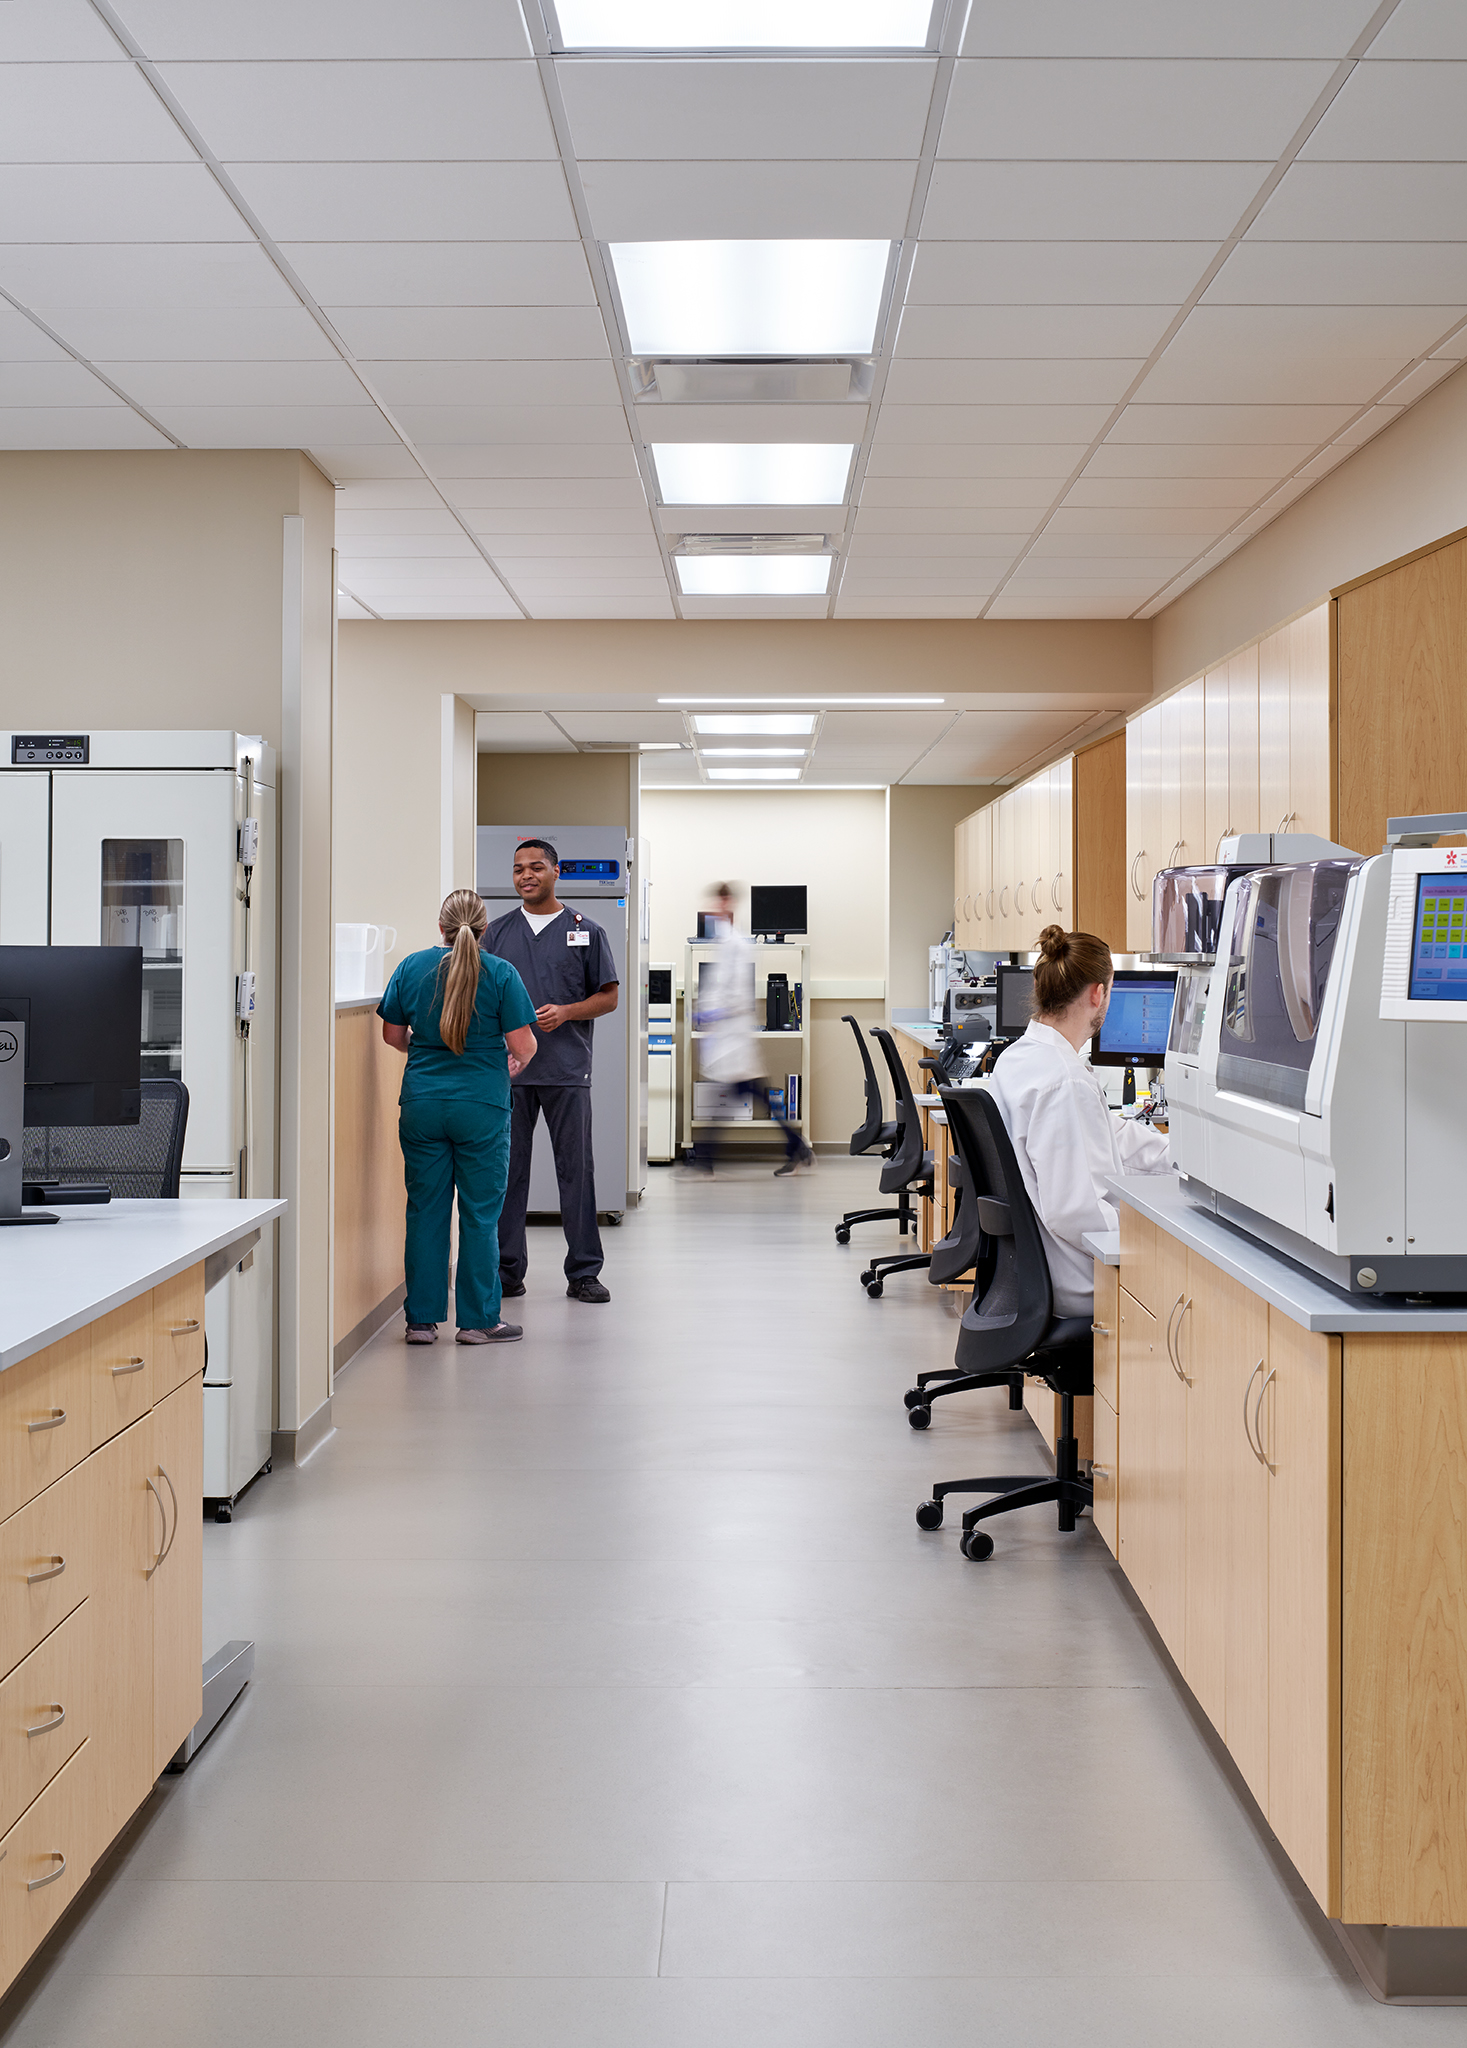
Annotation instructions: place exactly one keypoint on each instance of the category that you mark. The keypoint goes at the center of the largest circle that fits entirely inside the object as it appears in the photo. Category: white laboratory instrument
(167, 840)
(661, 1065)
(1315, 1085)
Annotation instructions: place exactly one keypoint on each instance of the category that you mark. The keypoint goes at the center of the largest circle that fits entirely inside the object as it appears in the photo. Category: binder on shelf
(792, 1097)
(797, 1007)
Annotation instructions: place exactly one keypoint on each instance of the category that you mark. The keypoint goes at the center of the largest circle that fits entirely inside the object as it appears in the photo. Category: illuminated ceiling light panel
(754, 753)
(753, 774)
(796, 699)
(751, 298)
(744, 24)
(752, 472)
(772, 723)
(753, 575)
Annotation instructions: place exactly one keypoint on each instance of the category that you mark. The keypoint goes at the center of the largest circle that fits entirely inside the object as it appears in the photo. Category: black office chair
(909, 1169)
(137, 1162)
(967, 1248)
(874, 1134)
(1012, 1324)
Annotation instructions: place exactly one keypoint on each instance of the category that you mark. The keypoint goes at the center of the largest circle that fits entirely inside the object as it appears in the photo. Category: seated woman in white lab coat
(1065, 1137)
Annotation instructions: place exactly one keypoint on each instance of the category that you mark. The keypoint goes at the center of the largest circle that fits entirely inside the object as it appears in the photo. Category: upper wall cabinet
(1018, 865)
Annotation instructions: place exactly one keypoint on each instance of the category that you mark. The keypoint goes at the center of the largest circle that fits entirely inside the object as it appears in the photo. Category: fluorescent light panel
(744, 24)
(752, 472)
(792, 722)
(751, 298)
(754, 753)
(901, 702)
(753, 774)
(753, 575)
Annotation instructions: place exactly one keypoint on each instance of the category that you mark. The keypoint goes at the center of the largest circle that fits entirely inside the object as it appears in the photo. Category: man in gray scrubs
(566, 963)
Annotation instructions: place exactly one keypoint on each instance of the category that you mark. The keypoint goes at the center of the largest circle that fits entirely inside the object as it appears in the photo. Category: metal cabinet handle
(1100, 1330)
(133, 1365)
(1018, 906)
(174, 1498)
(1252, 1445)
(1258, 1419)
(1226, 833)
(1054, 889)
(1283, 823)
(183, 1329)
(1003, 906)
(1099, 1471)
(37, 1882)
(58, 1715)
(52, 1571)
(1135, 885)
(1169, 1352)
(967, 906)
(52, 1421)
(1036, 894)
(163, 1551)
(989, 900)
(1185, 1311)
(1177, 845)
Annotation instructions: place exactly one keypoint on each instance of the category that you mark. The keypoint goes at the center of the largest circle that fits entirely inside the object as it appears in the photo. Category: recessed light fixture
(791, 723)
(753, 575)
(751, 298)
(752, 472)
(755, 753)
(744, 24)
(753, 774)
(823, 701)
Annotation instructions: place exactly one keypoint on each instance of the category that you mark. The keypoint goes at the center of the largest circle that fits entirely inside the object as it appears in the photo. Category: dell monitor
(1138, 1023)
(778, 910)
(1015, 1005)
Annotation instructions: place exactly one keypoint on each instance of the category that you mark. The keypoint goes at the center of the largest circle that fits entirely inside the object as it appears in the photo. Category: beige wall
(558, 789)
(1402, 490)
(920, 828)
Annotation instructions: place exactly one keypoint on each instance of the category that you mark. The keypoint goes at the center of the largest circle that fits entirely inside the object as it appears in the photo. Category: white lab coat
(1068, 1142)
(730, 1051)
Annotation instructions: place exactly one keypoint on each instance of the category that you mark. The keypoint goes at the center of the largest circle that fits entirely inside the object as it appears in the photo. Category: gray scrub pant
(567, 1114)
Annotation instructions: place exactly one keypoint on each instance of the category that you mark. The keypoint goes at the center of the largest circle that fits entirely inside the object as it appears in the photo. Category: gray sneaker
(502, 1333)
(422, 1333)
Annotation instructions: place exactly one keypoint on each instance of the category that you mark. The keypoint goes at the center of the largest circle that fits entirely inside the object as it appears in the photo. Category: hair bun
(1054, 942)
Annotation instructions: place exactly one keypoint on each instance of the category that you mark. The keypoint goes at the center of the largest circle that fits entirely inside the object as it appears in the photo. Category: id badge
(575, 938)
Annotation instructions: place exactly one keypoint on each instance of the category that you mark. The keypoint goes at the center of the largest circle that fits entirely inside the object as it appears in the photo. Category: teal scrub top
(480, 1073)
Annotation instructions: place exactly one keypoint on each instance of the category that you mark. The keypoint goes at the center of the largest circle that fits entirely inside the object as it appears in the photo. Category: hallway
(607, 1696)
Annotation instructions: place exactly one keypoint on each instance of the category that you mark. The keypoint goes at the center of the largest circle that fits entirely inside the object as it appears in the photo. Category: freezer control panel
(50, 750)
(602, 871)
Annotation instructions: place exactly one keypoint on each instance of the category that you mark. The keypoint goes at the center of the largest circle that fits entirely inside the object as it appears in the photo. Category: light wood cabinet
(1151, 1491)
(1047, 852)
(47, 1705)
(1106, 1455)
(47, 1563)
(178, 1331)
(122, 1367)
(130, 1525)
(178, 1616)
(45, 1418)
(51, 1848)
(1106, 1332)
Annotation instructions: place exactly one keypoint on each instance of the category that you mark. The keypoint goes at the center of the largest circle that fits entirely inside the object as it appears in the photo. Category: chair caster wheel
(929, 1515)
(977, 1545)
(873, 1288)
(914, 1398)
(920, 1417)
(867, 1277)
(224, 1512)
(842, 1235)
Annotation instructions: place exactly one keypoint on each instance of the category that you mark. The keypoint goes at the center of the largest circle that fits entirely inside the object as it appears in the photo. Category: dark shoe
(587, 1290)
(802, 1162)
(502, 1333)
(422, 1333)
(510, 1289)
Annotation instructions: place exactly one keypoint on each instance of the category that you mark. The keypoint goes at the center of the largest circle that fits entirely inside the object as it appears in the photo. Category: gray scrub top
(555, 968)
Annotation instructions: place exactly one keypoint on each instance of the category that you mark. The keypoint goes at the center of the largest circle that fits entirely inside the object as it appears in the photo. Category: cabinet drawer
(122, 1367)
(1138, 1258)
(1104, 1473)
(50, 1848)
(178, 1331)
(1107, 1330)
(46, 1709)
(45, 1419)
(47, 1559)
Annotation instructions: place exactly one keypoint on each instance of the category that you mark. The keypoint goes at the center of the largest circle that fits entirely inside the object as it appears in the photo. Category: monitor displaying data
(1015, 1004)
(1438, 958)
(1138, 1023)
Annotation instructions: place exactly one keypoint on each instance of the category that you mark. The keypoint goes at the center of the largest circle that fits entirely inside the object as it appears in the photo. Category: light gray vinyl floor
(608, 1696)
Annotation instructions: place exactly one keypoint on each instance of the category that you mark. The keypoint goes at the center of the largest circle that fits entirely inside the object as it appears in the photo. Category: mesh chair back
(908, 1162)
(138, 1162)
(1007, 1321)
(870, 1132)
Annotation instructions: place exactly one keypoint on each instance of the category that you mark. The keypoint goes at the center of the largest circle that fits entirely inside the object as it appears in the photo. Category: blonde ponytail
(463, 920)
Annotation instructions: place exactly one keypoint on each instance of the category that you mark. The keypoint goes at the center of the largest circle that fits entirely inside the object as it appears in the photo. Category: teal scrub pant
(449, 1145)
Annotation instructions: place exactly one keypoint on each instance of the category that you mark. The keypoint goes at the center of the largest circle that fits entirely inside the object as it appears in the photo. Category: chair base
(881, 1269)
(1067, 1489)
(919, 1399)
(904, 1215)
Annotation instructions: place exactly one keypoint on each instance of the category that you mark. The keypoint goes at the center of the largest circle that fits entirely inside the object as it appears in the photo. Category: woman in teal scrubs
(463, 1018)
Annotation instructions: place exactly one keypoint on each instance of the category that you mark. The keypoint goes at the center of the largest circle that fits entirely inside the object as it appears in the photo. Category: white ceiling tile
(403, 547)
(758, 423)
(1264, 424)
(1376, 202)
(533, 590)
(860, 607)
(753, 608)
(151, 277)
(623, 726)
(1056, 202)
(1001, 494)
(1369, 423)
(1420, 381)
(1057, 273)
(732, 108)
(168, 202)
(447, 578)
(157, 385)
(1342, 274)
(666, 771)
(539, 461)
(657, 605)
(515, 732)
(364, 462)
(936, 585)
(357, 520)
(21, 341)
(541, 525)
(1222, 495)
(391, 202)
(884, 545)
(1414, 111)
(1071, 580)
(471, 383)
(602, 553)
(85, 114)
(1455, 345)
(425, 274)
(585, 425)
(748, 200)
(379, 497)
(1153, 524)
(1423, 28)
(55, 32)
(361, 112)
(211, 30)
(1034, 332)
(975, 460)
(491, 606)
(275, 426)
(993, 380)
(471, 333)
(1122, 555)
(1001, 521)
(986, 744)
(233, 334)
(1235, 110)
(549, 491)
(60, 382)
(1169, 28)
(1012, 606)
(989, 424)
(86, 426)
(1197, 368)
(1187, 460)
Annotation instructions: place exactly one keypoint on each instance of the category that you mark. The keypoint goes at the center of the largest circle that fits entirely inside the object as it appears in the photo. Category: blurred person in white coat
(729, 1048)
(1067, 1139)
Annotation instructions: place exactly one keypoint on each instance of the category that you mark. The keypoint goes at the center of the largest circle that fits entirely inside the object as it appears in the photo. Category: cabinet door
(1192, 847)
(51, 1847)
(979, 864)
(178, 1330)
(1003, 871)
(178, 1582)
(130, 1537)
(1061, 904)
(1167, 791)
(46, 1710)
(1273, 731)
(1103, 1473)
(1242, 743)
(1309, 736)
(122, 1367)
(1106, 1330)
(1151, 1501)
(45, 1418)
(1215, 794)
(1143, 772)
(1139, 1240)
(47, 1563)
(1041, 856)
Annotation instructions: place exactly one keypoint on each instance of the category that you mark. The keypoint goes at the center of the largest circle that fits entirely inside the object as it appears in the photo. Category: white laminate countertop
(56, 1278)
(1300, 1295)
(1104, 1245)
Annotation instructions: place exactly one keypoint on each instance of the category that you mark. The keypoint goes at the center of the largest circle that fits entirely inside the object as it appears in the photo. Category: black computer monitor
(1138, 1023)
(1015, 1007)
(82, 1007)
(780, 907)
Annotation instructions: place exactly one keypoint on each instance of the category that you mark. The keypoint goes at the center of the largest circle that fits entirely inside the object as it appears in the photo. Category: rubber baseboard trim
(294, 1446)
(348, 1346)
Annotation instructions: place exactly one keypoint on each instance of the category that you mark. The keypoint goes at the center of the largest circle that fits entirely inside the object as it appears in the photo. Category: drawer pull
(1099, 1330)
(1258, 1419)
(163, 1546)
(52, 1421)
(58, 1715)
(1099, 1472)
(60, 1871)
(184, 1329)
(52, 1571)
(174, 1498)
(133, 1365)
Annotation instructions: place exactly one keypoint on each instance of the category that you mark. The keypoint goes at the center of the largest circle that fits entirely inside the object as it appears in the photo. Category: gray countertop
(356, 1003)
(56, 1278)
(1303, 1297)
(1105, 1244)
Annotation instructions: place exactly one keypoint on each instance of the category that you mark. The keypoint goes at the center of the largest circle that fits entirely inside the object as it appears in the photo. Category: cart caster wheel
(920, 1417)
(224, 1512)
(874, 1289)
(977, 1545)
(269, 1465)
(929, 1515)
(842, 1235)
